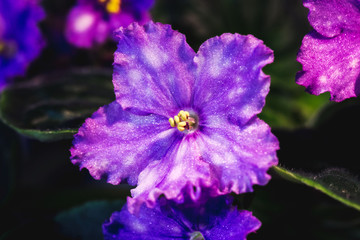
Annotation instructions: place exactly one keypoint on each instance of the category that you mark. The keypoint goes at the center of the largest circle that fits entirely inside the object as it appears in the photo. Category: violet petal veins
(330, 55)
(219, 144)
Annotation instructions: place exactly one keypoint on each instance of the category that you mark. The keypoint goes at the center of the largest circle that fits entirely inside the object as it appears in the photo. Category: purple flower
(211, 98)
(91, 22)
(330, 54)
(217, 219)
(20, 37)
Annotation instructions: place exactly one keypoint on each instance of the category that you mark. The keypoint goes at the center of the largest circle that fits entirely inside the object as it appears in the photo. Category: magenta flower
(217, 219)
(211, 98)
(91, 22)
(20, 38)
(330, 54)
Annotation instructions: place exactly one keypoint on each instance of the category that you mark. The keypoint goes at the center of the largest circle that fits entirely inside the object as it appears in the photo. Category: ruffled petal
(153, 69)
(148, 224)
(235, 225)
(230, 83)
(224, 158)
(119, 145)
(331, 17)
(239, 156)
(331, 64)
(216, 219)
(182, 172)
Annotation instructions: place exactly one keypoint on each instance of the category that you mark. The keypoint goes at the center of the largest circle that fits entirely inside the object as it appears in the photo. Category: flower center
(112, 6)
(196, 236)
(183, 121)
(7, 48)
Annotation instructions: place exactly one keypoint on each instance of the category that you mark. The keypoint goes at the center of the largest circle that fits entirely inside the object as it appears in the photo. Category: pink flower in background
(92, 22)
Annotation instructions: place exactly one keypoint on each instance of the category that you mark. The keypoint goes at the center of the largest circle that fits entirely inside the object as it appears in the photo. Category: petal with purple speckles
(331, 17)
(119, 145)
(183, 168)
(330, 54)
(240, 156)
(331, 64)
(153, 69)
(230, 84)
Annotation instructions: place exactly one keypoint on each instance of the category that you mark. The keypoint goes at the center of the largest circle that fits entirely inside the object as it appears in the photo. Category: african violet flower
(215, 139)
(217, 219)
(20, 37)
(330, 54)
(91, 22)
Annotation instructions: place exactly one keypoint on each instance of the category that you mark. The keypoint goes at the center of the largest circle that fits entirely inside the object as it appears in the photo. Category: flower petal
(153, 69)
(235, 225)
(239, 156)
(230, 83)
(216, 219)
(181, 172)
(149, 224)
(331, 17)
(120, 144)
(223, 158)
(331, 64)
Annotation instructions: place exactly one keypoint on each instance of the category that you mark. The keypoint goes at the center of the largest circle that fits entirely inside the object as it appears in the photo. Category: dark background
(43, 196)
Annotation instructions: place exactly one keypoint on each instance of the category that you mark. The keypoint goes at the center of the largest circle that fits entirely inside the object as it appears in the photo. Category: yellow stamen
(172, 122)
(177, 119)
(180, 128)
(183, 116)
(182, 124)
(183, 121)
(113, 6)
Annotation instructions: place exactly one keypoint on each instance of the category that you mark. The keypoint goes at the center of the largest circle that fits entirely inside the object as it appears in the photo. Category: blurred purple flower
(215, 139)
(216, 219)
(330, 54)
(20, 38)
(91, 22)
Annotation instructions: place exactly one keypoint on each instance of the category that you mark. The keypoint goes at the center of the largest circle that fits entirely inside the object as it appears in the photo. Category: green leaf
(85, 221)
(336, 183)
(295, 211)
(8, 154)
(53, 106)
